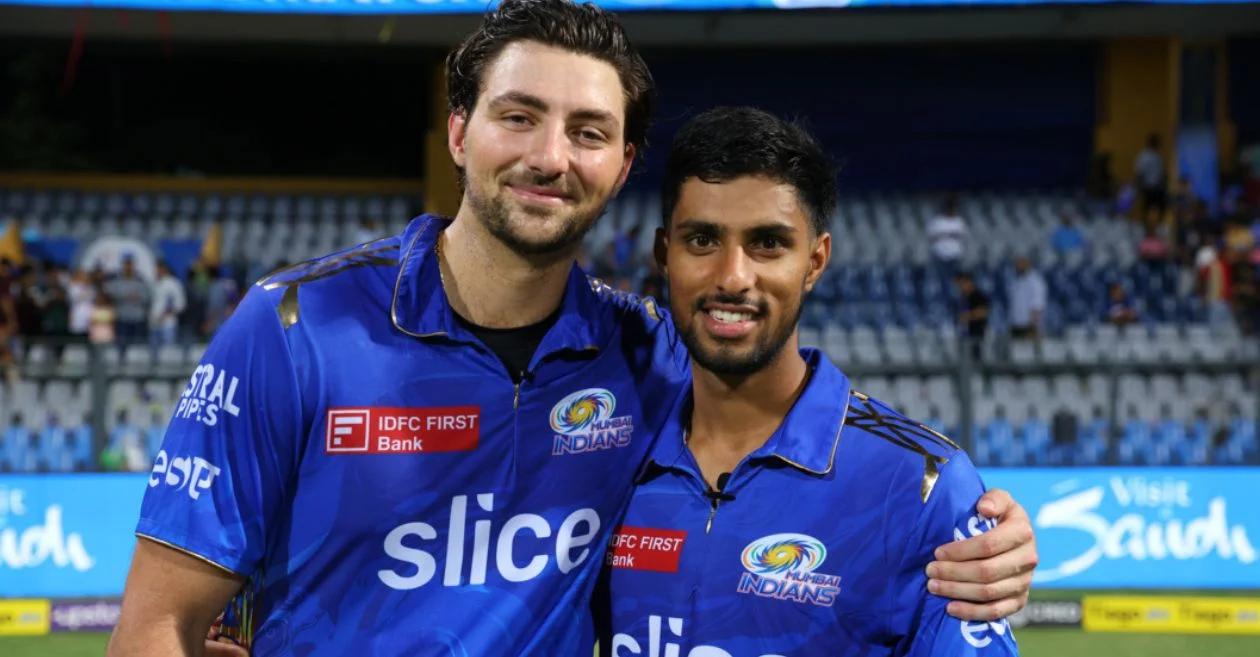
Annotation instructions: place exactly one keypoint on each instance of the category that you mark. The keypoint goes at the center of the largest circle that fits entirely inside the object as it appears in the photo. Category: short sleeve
(229, 453)
(949, 515)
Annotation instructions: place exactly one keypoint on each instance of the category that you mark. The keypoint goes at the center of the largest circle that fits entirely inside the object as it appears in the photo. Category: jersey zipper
(712, 512)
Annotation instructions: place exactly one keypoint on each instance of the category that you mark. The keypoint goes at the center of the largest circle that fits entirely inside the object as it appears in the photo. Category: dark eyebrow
(769, 229)
(772, 230)
(519, 98)
(535, 103)
(698, 226)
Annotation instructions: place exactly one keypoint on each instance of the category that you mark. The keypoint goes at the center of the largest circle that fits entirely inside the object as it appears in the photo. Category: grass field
(1032, 642)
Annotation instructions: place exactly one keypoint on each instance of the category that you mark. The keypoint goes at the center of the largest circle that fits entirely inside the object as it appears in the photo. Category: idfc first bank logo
(585, 421)
(1137, 524)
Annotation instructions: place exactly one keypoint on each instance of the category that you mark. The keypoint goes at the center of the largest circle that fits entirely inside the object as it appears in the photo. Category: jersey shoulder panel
(323, 287)
(642, 320)
(888, 441)
(627, 305)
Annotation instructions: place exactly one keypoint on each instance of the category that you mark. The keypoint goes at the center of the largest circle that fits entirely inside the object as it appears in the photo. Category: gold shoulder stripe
(904, 433)
(634, 301)
(370, 254)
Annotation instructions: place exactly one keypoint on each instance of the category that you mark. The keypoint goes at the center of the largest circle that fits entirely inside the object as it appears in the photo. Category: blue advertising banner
(67, 535)
(1140, 527)
(479, 6)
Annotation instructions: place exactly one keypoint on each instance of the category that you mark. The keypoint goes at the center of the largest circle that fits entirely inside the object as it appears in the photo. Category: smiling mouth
(729, 317)
(541, 195)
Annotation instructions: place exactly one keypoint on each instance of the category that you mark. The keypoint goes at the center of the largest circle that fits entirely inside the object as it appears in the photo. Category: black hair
(726, 143)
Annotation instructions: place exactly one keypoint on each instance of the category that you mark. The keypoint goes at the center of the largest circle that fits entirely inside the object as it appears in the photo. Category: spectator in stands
(197, 296)
(131, 297)
(1246, 296)
(55, 317)
(1068, 237)
(1119, 310)
(9, 340)
(1152, 248)
(101, 331)
(947, 233)
(1149, 175)
(1239, 238)
(221, 298)
(1213, 283)
(80, 293)
(1026, 300)
(29, 302)
(168, 303)
(973, 313)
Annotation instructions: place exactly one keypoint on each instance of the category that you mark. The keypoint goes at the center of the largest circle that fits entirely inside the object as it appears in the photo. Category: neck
(742, 412)
(491, 285)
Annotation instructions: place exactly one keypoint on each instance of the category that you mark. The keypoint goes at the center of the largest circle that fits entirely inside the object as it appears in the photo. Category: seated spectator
(1152, 248)
(1119, 310)
(1068, 236)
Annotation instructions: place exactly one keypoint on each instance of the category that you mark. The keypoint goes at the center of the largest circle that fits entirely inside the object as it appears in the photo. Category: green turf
(1075, 643)
(55, 645)
(1032, 642)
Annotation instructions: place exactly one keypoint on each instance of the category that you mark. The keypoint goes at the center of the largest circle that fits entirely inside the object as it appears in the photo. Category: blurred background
(1046, 246)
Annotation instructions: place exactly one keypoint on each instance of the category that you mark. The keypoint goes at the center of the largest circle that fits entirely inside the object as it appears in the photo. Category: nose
(549, 151)
(735, 272)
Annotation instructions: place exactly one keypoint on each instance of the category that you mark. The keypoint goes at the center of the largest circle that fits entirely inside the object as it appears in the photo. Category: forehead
(741, 204)
(566, 81)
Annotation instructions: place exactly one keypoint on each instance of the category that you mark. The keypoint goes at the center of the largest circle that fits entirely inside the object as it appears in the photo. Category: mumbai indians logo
(781, 566)
(584, 422)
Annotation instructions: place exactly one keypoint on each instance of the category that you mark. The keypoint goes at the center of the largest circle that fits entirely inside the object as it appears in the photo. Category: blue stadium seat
(54, 449)
(82, 447)
(1035, 436)
(19, 453)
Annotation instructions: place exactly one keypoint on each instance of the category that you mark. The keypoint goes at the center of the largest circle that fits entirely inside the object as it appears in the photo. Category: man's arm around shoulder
(172, 598)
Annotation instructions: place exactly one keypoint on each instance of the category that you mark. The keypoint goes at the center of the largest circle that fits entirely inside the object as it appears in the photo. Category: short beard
(764, 352)
(496, 216)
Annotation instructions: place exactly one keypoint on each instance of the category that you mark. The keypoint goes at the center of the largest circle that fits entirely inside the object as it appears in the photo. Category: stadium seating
(882, 307)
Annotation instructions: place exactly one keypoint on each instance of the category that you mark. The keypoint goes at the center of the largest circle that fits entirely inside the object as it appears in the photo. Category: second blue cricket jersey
(380, 480)
(816, 547)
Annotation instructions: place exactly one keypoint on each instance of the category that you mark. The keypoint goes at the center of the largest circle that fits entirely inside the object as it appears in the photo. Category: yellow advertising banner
(24, 617)
(1174, 615)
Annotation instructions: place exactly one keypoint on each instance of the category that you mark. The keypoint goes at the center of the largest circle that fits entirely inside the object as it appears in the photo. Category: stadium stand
(1087, 392)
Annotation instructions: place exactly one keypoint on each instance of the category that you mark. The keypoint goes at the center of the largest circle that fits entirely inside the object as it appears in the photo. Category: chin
(738, 359)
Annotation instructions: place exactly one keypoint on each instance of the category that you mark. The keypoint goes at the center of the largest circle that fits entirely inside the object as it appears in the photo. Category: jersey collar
(807, 439)
(420, 307)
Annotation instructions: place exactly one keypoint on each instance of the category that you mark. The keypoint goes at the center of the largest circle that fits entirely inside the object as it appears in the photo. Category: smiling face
(739, 257)
(543, 150)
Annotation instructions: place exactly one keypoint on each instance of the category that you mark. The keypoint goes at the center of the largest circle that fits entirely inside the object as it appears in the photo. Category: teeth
(727, 317)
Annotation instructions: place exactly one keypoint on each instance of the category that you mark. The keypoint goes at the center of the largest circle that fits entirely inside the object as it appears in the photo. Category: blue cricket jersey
(386, 488)
(817, 545)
